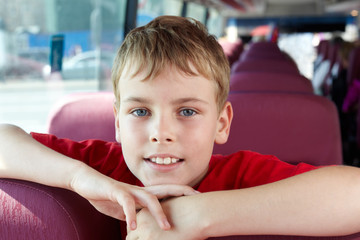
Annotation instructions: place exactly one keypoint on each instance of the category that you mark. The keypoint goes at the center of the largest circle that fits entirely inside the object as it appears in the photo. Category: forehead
(170, 78)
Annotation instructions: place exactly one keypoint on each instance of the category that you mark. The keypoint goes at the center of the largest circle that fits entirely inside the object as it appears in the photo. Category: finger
(129, 209)
(108, 209)
(151, 202)
(157, 211)
(168, 190)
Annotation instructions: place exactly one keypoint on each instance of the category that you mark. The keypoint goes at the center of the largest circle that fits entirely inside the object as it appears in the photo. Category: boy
(171, 81)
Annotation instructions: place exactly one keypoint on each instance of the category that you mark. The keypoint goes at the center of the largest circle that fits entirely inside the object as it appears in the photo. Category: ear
(223, 124)
(117, 128)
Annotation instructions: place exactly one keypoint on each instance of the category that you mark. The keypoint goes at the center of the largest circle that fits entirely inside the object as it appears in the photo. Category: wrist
(207, 215)
(189, 214)
(214, 214)
(77, 174)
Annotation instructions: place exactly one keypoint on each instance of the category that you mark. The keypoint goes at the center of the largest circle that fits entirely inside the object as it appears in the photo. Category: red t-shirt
(242, 169)
(239, 170)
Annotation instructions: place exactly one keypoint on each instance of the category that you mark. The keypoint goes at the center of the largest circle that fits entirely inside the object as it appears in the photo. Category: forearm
(22, 157)
(318, 203)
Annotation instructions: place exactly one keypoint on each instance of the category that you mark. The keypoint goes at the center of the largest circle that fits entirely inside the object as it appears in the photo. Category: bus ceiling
(280, 8)
(288, 15)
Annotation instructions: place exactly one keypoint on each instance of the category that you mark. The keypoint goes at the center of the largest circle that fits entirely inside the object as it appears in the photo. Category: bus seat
(322, 48)
(278, 56)
(275, 82)
(333, 81)
(83, 116)
(34, 211)
(322, 75)
(263, 46)
(333, 53)
(354, 63)
(265, 65)
(322, 51)
(294, 127)
(350, 108)
(245, 56)
(263, 50)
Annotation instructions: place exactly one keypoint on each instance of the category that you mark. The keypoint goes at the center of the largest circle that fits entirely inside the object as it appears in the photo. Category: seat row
(276, 111)
(337, 76)
(28, 209)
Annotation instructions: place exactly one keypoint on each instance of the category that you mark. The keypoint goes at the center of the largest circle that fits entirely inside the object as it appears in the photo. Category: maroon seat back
(246, 56)
(294, 127)
(322, 48)
(37, 212)
(263, 50)
(262, 46)
(354, 65)
(84, 116)
(322, 53)
(265, 65)
(274, 82)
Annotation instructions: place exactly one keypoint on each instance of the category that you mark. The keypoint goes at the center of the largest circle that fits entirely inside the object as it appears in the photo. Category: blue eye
(140, 112)
(187, 112)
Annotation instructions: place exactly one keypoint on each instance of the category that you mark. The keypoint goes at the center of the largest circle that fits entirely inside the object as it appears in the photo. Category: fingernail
(166, 224)
(133, 225)
(193, 192)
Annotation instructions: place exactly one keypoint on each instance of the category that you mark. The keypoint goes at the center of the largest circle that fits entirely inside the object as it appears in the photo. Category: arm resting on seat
(34, 211)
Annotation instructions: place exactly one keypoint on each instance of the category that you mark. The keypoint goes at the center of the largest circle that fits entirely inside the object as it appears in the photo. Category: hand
(130, 198)
(120, 200)
(184, 215)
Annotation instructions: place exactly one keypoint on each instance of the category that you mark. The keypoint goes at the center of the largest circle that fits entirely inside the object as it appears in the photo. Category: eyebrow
(136, 99)
(189, 99)
(176, 101)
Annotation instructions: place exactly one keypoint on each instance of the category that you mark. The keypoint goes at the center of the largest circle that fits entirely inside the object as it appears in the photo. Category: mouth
(165, 160)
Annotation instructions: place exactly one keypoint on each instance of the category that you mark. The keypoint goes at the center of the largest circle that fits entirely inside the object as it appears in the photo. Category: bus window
(215, 23)
(91, 30)
(149, 9)
(208, 16)
(196, 11)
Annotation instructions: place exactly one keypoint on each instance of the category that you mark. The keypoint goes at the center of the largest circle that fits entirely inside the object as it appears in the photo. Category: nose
(162, 130)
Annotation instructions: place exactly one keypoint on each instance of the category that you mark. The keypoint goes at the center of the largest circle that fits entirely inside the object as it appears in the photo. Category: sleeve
(247, 169)
(105, 157)
(263, 169)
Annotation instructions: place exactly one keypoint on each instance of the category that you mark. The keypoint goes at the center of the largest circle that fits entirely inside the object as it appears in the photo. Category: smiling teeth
(165, 161)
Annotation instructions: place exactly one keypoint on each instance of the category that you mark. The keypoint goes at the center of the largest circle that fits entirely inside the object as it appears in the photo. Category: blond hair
(181, 42)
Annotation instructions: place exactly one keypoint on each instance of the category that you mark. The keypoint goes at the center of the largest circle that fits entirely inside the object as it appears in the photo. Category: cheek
(131, 131)
(131, 139)
(200, 134)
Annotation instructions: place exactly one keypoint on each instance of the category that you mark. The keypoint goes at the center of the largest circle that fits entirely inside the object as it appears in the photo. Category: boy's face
(167, 126)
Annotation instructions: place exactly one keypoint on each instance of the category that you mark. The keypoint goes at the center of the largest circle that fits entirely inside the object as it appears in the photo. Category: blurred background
(50, 48)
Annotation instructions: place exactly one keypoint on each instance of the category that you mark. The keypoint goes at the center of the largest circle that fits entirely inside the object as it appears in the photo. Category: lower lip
(164, 167)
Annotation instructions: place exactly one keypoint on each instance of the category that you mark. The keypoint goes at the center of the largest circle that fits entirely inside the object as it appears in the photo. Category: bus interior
(295, 63)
